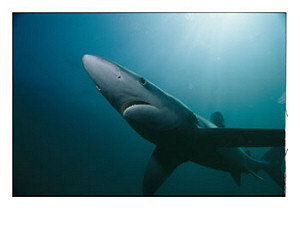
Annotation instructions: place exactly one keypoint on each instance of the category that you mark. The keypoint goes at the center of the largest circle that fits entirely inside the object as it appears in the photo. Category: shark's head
(147, 108)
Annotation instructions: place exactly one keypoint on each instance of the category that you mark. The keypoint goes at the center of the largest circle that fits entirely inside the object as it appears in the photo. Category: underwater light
(213, 31)
(217, 20)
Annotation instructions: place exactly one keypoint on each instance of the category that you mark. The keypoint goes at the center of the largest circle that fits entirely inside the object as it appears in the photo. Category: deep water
(68, 140)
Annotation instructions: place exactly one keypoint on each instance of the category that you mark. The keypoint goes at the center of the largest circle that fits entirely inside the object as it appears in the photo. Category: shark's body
(179, 134)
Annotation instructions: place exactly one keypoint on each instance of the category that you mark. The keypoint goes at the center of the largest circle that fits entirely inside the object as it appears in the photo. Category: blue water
(68, 140)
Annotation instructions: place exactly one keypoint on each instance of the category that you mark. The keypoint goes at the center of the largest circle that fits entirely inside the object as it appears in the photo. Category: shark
(179, 134)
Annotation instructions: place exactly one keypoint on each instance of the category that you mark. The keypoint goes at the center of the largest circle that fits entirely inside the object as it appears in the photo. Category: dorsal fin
(218, 119)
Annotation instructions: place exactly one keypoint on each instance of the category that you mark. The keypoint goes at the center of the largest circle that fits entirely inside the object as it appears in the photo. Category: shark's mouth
(129, 104)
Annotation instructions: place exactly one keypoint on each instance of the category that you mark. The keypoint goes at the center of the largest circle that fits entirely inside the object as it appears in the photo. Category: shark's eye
(142, 81)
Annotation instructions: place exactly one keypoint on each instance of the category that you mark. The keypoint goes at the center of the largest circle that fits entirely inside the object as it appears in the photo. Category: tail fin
(275, 157)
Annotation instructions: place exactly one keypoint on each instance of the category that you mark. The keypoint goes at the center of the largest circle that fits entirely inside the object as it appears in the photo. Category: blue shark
(180, 135)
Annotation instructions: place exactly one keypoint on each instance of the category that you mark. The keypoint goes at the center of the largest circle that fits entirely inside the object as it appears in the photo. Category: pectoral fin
(161, 164)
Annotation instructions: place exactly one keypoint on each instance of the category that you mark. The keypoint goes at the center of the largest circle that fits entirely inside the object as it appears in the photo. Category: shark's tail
(275, 157)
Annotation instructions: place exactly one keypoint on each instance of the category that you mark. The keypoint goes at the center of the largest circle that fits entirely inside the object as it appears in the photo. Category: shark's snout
(99, 69)
(93, 65)
(89, 63)
(87, 60)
